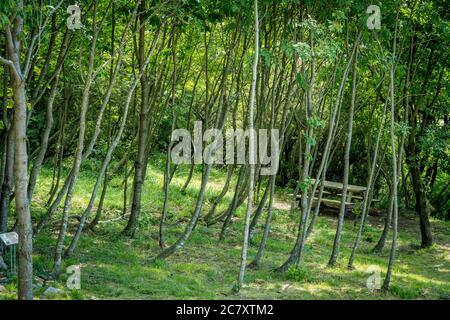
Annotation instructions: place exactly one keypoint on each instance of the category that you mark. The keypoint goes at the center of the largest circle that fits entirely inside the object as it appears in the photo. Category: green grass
(116, 267)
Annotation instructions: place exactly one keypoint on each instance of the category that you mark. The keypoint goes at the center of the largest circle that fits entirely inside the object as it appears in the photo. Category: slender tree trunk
(296, 254)
(25, 245)
(343, 208)
(387, 224)
(167, 171)
(56, 270)
(370, 182)
(390, 269)
(328, 154)
(188, 180)
(234, 203)
(141, 157)
(252, 154)
(422, 207)
(7, 186)
(222, 194)
(108, 156)
(219, 122)
(125, 190)
(255, 262)
(108, 176)
(8, 179)
(59, 151)
(48, 119)
(260, 209)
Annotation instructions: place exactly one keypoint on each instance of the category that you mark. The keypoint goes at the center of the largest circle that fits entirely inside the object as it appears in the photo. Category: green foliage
(435, 140)
(299, 274)
(303, 50)
(316, 122)
(370, 233)
(310, 140)
(265, 54)
(4, 21)
(301, 81)
(305, 184)
(402, 128)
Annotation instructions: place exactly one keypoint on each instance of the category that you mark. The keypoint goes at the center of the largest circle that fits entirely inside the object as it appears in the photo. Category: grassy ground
(116, 267)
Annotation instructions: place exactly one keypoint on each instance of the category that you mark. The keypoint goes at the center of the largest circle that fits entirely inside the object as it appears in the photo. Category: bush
(299, 274)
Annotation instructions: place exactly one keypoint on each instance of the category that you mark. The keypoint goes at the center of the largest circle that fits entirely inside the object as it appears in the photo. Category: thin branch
(6, 61)
(37, 36)
(107, 62)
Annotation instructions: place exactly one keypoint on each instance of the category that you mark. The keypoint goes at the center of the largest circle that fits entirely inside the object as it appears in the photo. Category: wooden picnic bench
(334, 189)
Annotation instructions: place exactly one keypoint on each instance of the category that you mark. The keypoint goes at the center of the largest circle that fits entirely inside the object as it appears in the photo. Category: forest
(224, 149)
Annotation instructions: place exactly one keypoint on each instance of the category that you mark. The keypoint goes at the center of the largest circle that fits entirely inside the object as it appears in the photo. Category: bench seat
(330, 202)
